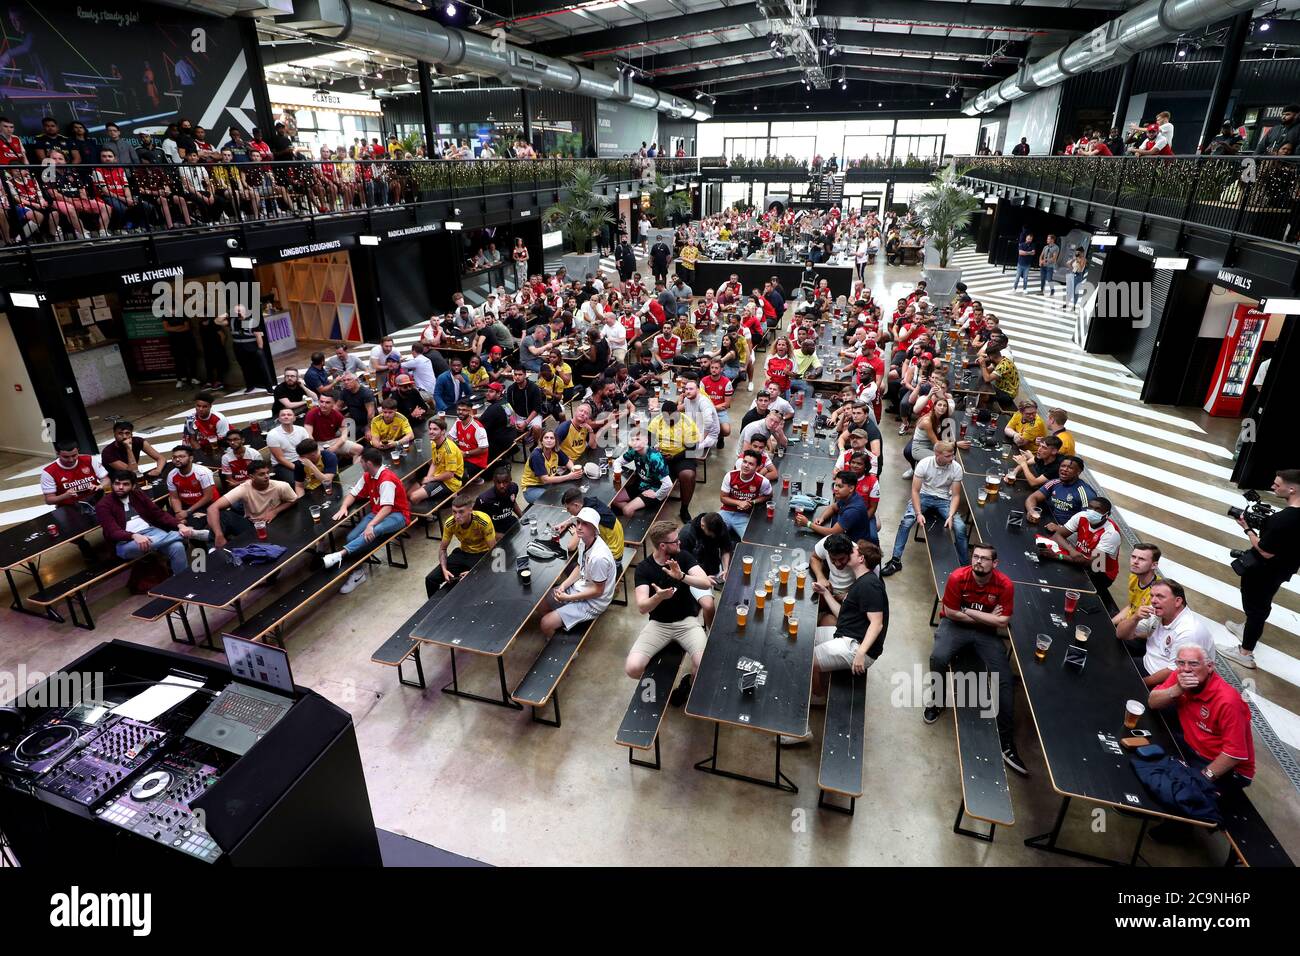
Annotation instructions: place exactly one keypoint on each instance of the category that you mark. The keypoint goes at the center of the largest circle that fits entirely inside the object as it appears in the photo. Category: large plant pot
(940, 283)
(579, 264)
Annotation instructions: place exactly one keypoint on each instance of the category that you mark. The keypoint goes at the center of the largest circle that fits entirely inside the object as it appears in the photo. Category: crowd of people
(560, 365)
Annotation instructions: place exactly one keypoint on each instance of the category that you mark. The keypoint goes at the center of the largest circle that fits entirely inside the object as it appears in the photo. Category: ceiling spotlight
(450, 9)
(844, 84)
(834, 50)
(361, 82)
(1264, 25)
(932, 102)
(879, 105)
(1182, 51)
(755, 108)
(807, 107)
(947, 94)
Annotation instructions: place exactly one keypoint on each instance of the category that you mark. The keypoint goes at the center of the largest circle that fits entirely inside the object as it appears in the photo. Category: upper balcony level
(151, 215)
(1236, 210)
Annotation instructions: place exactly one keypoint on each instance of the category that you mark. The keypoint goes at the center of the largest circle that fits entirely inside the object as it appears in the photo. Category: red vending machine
(1236, 362)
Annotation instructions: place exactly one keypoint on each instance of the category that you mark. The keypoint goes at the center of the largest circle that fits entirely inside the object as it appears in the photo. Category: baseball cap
(403, 380)
(859, 433)
(496, 387)
(495, 350)
(589, 516)
(1152, 128)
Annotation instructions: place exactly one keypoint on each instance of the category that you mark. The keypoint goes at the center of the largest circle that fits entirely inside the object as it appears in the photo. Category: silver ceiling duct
(1110, 45)
(387, 30)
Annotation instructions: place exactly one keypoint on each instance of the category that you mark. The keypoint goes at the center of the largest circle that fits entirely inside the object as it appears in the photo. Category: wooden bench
(941, 547)
(540, 685)
(73, 588)
(840, 770)
(401, 647)
(267, 625)
(1250, 841)
(172, 611)
(985, 794)
(645, 714)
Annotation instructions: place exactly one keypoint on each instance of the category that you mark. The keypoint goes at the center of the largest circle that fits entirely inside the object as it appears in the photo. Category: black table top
(221, 584)
(780, 705)
(1080, 713)
(488, 607)
(28, 540)
(1017, 556)
(803, 463)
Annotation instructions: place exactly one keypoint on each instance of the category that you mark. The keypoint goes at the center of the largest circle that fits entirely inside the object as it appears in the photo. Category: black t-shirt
(496, 422)
(865, 595)
(354, 406)
(525, 401)
(281, 146)
(500, 508)
(682, 604)
(1281, 538)
(708, 550)
(753, 415)
(115, 454)
(293, 393)
(1049, 470)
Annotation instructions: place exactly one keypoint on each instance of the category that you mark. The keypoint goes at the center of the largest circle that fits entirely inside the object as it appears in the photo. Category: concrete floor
(487, 783)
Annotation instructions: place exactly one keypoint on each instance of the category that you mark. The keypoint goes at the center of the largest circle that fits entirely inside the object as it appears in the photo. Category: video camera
(1255, 513)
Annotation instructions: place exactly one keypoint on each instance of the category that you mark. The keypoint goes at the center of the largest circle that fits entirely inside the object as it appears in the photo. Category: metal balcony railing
(40, 205)
(1256, 196)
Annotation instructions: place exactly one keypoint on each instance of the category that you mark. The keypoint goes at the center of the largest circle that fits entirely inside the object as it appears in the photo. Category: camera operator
(1273, 557)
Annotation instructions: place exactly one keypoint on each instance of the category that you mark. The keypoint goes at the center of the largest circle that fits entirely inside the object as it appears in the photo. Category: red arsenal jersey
(779, 371)
(717, 389)
(734, 486)
(963, 591)
(189, 488)
(80, 478)
(668, 346)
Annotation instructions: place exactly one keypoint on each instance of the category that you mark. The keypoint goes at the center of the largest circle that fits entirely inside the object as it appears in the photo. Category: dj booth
(134, 755)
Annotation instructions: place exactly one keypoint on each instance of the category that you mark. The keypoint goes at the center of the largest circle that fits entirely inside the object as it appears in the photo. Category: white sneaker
(1235, 628)
(333, 560)
(179, 384)
(1239, 655)
(200, 535)
(907, 474)
(359, 577)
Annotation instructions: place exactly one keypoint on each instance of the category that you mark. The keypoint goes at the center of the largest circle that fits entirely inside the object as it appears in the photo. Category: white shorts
(831, 653)
(575, 612)
(701, 593)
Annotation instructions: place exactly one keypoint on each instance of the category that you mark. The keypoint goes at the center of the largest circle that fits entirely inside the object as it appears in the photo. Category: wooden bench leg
(622, 586)
(824, 804)
(555, 702)
(645, 763)
(933, 613)
(454, 687)
(419, 672)
(84, 620)
(973, 834)
(388, 553)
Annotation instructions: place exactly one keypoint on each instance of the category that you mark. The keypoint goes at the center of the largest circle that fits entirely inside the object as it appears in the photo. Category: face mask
(1093, 518)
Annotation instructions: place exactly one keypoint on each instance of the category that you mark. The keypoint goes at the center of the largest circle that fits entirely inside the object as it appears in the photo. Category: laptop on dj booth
(252, 703)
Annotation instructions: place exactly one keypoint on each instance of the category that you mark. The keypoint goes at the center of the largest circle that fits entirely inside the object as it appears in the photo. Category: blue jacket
(444, 391)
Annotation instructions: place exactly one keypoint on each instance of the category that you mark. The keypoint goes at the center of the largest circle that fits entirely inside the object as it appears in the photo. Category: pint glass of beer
(1133, 711)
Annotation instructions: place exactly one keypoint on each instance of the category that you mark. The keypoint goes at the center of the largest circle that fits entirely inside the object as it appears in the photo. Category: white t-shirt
(937, 481)
(1162, 646)
(378, 357)
(387, 490)
(134, 523)
(840, 580)
(615, 335)
(778, 405)
(286, 442)
(1165, 137)
(597, 564)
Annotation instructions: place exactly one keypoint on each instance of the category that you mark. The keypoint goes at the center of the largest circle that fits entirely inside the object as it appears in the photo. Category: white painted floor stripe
(1226, 594)
(1050, 355)
(1149, 473)
(1107, 385)
(1215, 520)
(1165, 456)
(1284, 723)
(1125, 421)
(1150, 529)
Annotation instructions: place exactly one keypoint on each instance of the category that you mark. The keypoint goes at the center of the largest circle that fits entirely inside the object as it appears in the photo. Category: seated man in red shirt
(1215, 720)
(982, 598)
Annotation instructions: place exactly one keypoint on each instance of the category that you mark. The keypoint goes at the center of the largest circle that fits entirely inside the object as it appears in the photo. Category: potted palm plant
(581, 215)
(667, 204)
(946, 211)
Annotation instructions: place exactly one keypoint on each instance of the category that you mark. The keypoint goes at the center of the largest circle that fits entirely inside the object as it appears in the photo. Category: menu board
(147, 349)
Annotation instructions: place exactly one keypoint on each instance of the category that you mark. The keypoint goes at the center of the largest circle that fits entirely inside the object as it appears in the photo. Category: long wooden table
(487, 608)
(779, 706)
(1079, 713)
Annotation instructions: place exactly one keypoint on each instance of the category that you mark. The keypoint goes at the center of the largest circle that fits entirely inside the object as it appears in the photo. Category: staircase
(833, 188)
